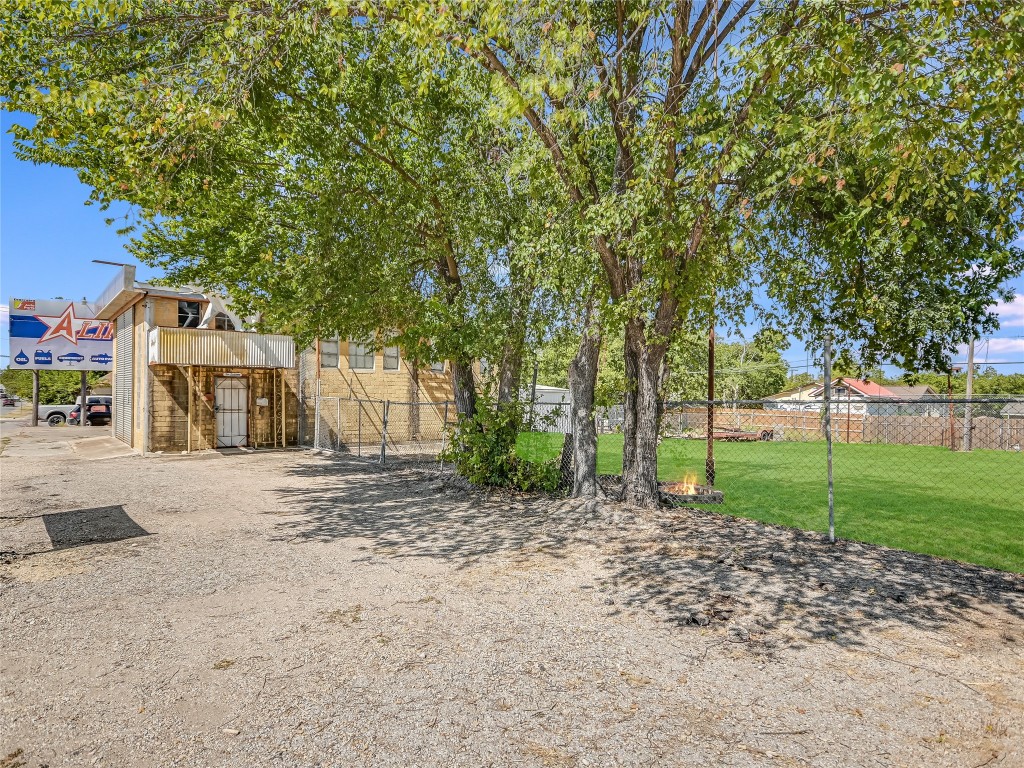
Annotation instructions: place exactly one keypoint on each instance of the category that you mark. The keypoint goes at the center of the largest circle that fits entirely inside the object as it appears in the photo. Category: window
(437, 367)
(360, 356)
(222, 322)
(391, 358)
(329, 353)
(189, 314)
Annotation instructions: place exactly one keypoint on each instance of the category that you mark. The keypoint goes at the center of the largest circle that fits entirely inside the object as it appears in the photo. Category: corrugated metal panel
(123, 347)
(224, 349)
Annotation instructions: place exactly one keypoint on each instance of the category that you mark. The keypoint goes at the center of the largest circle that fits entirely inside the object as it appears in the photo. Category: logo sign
(60, 335)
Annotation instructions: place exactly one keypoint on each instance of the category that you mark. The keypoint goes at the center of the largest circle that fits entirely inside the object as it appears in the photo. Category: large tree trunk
(521, 291)
(644, 363)
(510, 370)
(629, 412)
(582, 381)
(464, 385)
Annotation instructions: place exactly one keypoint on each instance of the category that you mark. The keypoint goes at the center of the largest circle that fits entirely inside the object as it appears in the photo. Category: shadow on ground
(99, 525)
(688, 567)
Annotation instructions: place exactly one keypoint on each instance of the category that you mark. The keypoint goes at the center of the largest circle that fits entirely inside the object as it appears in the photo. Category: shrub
(483, 450)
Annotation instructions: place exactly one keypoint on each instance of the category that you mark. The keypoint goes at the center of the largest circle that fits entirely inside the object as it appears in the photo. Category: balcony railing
(222, 349)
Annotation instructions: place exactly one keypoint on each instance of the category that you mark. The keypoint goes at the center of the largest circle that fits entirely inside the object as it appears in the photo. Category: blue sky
(49, 237)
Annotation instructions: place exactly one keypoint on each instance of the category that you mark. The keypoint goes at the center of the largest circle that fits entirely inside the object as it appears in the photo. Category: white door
(231, 403)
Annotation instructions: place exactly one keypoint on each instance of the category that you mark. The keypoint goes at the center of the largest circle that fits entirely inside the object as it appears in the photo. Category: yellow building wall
(403, 384)
(417, 410)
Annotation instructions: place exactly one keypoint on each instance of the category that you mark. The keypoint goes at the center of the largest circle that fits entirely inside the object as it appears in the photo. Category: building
(917, 392)
(859, 396)
(356, 371)
(354, 394)
(187, 376)
(550, 409)
(796, 399)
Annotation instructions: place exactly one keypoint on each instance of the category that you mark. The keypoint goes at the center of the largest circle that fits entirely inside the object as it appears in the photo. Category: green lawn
(966, 507)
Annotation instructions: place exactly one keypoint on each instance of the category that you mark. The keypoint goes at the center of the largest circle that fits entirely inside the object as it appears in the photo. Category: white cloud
(1010, 312)
(1004, 347)
(995, 351)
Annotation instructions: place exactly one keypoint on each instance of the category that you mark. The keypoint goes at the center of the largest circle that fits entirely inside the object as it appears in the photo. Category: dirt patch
(292, 610)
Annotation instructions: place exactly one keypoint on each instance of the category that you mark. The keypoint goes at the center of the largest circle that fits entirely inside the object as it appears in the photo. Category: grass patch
(963, 506)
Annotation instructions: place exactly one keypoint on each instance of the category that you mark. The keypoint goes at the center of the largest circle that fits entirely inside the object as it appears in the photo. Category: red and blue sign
(54, 334)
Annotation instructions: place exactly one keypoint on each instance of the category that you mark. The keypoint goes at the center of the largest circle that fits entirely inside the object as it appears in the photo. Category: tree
(663, 137)
(291, 158)
(799, 380)
(659, 134)
(986, 382)
(556, 355)
(55, 387)
(906, 282)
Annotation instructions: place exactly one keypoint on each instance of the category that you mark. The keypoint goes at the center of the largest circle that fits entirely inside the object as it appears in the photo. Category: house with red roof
(858, 396)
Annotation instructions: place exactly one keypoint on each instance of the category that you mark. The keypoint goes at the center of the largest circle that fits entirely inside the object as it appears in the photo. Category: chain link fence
(933, 469)
(377, 430)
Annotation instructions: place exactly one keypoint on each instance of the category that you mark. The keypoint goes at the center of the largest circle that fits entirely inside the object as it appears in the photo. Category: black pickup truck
(100, 412)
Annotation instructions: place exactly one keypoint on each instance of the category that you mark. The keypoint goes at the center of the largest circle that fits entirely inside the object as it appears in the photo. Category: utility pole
(968, 424)
(949, 400)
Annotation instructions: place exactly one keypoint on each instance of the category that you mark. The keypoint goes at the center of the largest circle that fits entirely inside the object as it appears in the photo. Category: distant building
(860, 396)
(795, 399)
(550, 395)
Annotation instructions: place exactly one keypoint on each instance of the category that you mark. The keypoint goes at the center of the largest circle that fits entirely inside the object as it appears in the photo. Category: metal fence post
(316, 422)
(339, 425)
(828, 437)
(384, 433)
(359, 431)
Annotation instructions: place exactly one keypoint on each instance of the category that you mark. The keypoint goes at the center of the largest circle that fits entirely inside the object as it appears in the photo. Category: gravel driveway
(288, 609)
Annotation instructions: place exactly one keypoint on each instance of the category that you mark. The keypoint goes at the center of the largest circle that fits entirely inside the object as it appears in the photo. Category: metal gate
(123, 402)
(231, 404)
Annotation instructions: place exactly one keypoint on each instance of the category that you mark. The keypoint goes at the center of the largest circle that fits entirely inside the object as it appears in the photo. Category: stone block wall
(169, 429)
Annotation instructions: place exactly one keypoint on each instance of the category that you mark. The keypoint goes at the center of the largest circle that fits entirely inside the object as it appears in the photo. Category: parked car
(7, 401)
(55, 415)
(99, 414)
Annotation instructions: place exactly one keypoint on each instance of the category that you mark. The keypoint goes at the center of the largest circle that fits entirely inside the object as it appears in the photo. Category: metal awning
(222, 349)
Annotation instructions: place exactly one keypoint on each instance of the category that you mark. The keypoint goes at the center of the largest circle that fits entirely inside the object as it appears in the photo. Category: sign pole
(83, 415)
(35, 398)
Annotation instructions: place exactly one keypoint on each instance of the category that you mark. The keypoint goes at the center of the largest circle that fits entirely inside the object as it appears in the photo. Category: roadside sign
(59, 335)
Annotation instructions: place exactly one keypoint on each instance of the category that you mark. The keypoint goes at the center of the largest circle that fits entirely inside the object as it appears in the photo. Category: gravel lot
(288, 609)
